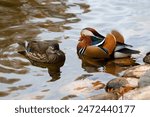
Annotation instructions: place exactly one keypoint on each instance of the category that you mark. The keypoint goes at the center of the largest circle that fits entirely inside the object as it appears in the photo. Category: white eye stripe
(87, 33)
(82, 50)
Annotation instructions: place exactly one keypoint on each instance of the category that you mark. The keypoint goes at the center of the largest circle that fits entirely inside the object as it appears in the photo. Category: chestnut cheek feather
(80, 39)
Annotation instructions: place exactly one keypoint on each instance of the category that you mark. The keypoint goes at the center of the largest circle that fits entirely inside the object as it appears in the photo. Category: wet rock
(82, 87)
(118, 86)
(137, 94)
(104, 96)
(136, 71)
(132, 81)
(146, 59)
(145, 79)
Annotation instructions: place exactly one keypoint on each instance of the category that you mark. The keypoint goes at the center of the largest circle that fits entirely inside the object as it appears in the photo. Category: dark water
(62, 20)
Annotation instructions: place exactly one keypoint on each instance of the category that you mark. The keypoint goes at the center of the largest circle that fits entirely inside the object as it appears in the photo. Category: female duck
(44, 52)
(111, 45)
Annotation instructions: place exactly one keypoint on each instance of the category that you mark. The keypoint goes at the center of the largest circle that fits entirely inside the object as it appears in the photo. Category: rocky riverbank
(134, 84)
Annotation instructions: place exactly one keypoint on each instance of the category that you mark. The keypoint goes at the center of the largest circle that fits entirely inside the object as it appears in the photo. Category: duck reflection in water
(91, 65)
(45, 54)
(112, 66)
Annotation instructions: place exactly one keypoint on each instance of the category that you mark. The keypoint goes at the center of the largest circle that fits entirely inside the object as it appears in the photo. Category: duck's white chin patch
(121, 55)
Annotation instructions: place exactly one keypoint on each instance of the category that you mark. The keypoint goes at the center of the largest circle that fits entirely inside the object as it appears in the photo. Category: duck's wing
(125, 48)
(110, 43)
(33, 47)
(39, 46)
(128, 51)
(94, 52)
(54, 55)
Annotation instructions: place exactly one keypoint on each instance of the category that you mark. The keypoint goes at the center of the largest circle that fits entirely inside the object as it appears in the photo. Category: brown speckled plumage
(44, 52)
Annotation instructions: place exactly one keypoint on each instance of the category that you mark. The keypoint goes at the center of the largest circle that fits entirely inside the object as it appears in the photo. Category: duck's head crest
(90, 32)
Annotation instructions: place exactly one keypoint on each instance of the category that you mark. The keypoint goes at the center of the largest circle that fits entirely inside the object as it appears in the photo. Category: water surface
(62, 20)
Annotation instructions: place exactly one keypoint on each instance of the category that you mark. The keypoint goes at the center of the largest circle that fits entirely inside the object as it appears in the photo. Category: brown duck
(44, 52)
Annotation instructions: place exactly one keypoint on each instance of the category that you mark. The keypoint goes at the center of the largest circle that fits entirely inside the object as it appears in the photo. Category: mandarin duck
(44, 52)
(94, 45)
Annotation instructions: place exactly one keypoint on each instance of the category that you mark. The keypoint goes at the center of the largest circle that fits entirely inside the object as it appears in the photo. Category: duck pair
(94, 45)
(91, 44)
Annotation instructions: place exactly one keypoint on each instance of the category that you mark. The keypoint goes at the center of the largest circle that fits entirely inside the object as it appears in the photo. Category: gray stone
(133, 82)
(145, 79)
(136, 71)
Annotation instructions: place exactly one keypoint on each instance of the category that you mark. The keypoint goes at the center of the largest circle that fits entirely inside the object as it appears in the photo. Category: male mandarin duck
(44, 52)
(94, 45)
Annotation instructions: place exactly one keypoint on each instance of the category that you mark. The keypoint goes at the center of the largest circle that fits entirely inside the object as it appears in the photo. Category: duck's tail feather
(124, 44)
(128, 51)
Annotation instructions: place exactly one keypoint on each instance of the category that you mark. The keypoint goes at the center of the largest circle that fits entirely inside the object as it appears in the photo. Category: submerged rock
(68, 97)
(137, 94)
(145, 79)
(82, 87)
(136, 71)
